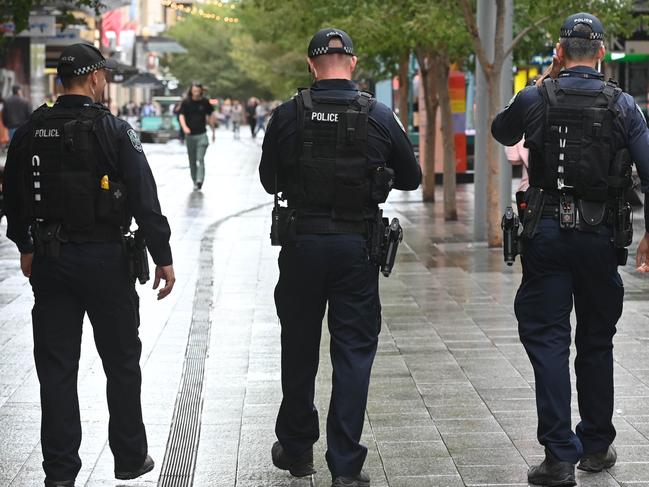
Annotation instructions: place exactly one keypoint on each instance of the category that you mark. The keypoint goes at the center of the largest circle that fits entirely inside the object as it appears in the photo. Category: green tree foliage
(210, 58)
(18, 10)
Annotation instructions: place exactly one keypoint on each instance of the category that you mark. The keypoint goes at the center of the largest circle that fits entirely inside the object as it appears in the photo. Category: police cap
(319, 44)
(79, 59)
(597, 29)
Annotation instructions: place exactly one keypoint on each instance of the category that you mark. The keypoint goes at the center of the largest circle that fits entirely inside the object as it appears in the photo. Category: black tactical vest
(578, 147)
(330, 179)
(64, 175)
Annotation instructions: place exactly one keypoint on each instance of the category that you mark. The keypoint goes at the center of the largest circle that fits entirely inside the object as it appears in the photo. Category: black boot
(552, 472)
(596, 462)
(147, 466)
(360, 480)
(300, 466)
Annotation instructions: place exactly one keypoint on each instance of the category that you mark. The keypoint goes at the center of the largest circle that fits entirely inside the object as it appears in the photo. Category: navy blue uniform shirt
(526, 112)
(119, 149)
(387, 142)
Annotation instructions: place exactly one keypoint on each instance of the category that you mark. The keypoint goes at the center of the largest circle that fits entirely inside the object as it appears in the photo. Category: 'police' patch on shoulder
(398, 121)
(135, 140)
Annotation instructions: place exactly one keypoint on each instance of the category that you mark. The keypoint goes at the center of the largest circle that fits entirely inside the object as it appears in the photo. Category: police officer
(334, 153)
(74, 176)
(579, 129)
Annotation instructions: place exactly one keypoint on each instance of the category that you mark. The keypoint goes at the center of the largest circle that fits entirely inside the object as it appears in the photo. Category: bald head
(333, 66)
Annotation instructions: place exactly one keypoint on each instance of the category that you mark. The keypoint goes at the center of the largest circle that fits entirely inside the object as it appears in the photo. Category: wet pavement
(451, 399)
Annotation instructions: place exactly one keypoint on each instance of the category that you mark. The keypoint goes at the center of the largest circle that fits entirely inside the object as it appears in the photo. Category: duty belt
(315, 225)
(604, 228)
(100, 232)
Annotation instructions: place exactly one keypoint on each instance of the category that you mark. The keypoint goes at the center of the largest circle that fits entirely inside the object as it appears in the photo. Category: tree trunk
(427, 70)
(494, 234)
(448, 137)
(404, 88)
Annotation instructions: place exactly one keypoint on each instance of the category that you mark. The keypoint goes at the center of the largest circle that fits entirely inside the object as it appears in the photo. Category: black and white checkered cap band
(318, 51)
(593, 36)
(89, 69)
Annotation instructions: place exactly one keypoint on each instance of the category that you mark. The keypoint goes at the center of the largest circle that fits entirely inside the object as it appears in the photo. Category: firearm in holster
(384, 240)
(136, 253)
(393, 237)
(510, 225)
(622, 213)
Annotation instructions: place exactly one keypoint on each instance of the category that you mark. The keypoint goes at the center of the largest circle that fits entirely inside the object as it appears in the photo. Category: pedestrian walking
(75, 175)
(236, 117)
(251, 115)
(351, 151)
(260, 115)
(195, 113)
(580, 130)
(15, 111)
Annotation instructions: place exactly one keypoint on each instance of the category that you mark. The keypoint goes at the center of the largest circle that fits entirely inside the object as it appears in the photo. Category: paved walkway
(451, 399)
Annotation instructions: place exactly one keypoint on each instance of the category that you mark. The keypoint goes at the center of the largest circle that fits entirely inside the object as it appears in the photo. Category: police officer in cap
(334, 153)
(75, 175)
(582, 132)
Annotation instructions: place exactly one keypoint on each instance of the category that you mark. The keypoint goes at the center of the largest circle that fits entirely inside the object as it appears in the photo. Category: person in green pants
(194, 115)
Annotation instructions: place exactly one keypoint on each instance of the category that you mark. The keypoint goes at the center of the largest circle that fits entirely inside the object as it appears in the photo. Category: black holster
(283, 226)
(136, 253)
(383, 242)
(510, 225)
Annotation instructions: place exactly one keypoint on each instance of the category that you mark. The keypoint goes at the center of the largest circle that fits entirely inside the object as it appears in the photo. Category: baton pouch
(591, 215)
(534, 199)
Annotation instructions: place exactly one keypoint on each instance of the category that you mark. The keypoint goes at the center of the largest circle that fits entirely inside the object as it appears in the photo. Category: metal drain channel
(179, 460)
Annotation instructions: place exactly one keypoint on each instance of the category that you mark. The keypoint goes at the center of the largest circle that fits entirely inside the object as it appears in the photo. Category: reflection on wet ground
(452, 392)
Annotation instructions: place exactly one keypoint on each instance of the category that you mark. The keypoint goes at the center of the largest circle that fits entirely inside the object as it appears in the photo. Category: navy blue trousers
(316, 271)
(87, 278)
(559, 268)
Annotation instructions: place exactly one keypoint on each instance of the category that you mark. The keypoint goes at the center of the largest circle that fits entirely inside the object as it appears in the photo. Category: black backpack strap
(551, 89)
(612, 92)
(307, 100)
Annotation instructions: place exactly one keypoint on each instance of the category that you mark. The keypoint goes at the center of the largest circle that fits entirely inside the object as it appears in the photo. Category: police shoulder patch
(135, 140)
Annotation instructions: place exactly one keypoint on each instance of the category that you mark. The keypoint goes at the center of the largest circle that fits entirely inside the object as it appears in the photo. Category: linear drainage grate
(182, 446)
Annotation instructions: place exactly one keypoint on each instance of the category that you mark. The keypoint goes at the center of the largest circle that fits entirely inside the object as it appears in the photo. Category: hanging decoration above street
(194, 10)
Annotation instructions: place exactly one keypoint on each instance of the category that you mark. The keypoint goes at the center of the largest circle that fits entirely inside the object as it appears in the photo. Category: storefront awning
(143, 80)
(165, 46)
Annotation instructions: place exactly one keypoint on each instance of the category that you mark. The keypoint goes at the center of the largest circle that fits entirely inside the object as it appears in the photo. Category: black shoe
(146, 467)
(199, 185)
(301, 466)
(59, 483)
(552, 472)
(360, 480)
(596, 462)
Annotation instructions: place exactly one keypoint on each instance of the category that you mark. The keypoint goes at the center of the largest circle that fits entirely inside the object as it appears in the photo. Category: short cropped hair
(576, 48)
(69, 82)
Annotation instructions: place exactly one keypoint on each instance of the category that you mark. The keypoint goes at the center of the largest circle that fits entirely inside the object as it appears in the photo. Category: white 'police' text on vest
(324, 117)
(45, 133)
